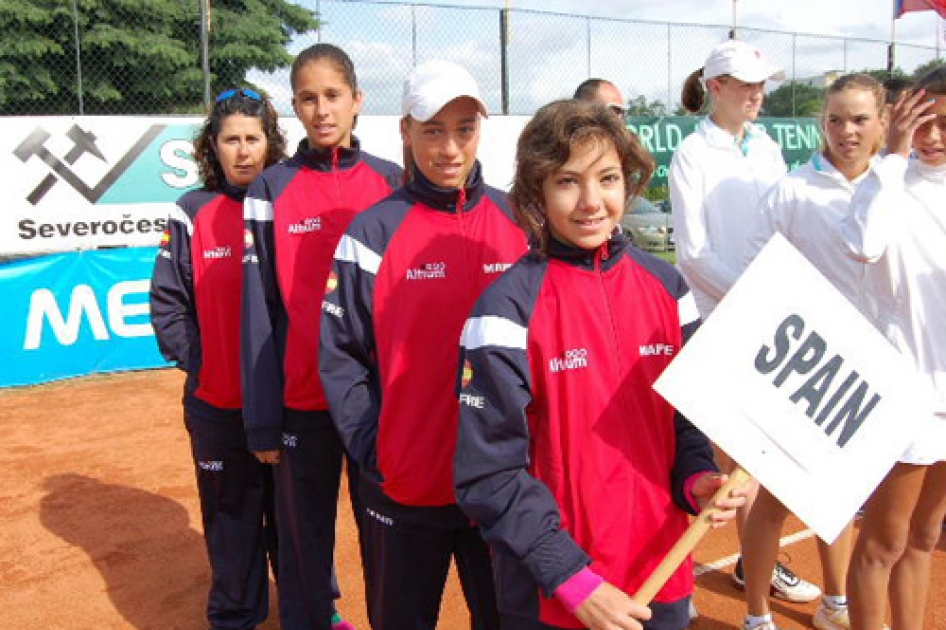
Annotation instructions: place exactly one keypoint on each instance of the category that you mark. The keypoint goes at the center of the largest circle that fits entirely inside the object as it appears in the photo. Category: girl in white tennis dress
(897, 224)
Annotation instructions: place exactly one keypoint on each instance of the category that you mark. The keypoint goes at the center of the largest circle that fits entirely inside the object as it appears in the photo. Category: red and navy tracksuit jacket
(406, 275)
(195, 294)
(295, 214)
(566, 454)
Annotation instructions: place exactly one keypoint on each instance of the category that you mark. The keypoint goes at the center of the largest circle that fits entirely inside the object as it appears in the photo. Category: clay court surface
(101, 525)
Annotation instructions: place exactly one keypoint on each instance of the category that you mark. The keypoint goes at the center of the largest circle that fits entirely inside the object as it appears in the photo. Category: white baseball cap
(431, 85)
(742, 61)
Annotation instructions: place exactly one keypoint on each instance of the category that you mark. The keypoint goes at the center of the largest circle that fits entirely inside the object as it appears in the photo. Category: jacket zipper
(338, 187)
(461, 204)
(602, 254)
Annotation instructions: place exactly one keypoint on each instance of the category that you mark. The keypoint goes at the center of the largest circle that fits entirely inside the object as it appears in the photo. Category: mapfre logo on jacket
(658, 350)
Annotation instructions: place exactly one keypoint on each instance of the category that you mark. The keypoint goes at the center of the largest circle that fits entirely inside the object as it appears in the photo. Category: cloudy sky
(849, 18)
(552, 47)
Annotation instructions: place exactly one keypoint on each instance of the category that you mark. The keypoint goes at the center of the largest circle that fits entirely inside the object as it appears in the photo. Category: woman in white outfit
(717, 177)
(721, 171)
(897, 225)
(806, 206)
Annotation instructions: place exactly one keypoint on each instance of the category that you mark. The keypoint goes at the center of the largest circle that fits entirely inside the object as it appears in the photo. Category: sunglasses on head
(617, 109)
(228, 94)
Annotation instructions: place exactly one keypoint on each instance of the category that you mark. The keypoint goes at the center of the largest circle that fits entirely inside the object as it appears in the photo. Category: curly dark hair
(545, 145)
(245, 103)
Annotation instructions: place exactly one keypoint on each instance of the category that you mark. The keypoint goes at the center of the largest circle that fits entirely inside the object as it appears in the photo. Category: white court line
(722, 563)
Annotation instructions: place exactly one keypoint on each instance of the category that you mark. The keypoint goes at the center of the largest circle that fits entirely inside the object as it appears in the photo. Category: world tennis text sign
(802, 391)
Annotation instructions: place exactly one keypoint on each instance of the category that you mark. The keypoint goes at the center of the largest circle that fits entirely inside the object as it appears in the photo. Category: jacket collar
(719, 138)
(608, 253)
(825, 168)
(330, 159)
(236, 193)
(446, 199)
(935, 174)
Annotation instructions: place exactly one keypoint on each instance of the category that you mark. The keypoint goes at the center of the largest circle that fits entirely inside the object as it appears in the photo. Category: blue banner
(75, 314)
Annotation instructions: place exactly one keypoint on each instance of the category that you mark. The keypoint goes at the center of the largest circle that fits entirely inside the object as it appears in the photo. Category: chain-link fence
(85, 60)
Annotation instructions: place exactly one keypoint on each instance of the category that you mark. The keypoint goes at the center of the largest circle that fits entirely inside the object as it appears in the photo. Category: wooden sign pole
(691, 537)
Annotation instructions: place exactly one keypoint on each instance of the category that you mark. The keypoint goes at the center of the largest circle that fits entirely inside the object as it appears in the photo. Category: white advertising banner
(89, 182)
(795, 385)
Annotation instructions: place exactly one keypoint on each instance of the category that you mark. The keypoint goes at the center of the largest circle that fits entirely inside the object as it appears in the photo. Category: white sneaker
(788, 586)
(694, 613)
(785, 584)
(765, 625)
(828, 618)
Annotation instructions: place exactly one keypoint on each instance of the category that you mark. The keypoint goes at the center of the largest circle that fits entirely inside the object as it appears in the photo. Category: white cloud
(554, 47)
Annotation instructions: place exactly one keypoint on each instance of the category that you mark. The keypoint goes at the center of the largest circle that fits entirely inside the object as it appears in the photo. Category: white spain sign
(802, 391)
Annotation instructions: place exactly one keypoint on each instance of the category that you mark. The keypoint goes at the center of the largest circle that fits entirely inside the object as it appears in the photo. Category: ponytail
(693, 95)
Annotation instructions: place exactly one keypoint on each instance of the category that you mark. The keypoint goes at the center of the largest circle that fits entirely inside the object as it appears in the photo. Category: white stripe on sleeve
(257, 210)
(686, 308)
(493, 331)
(176, 214)
(353, 251)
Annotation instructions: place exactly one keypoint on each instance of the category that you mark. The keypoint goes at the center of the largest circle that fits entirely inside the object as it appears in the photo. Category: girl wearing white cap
(897, 226)
(406, 275)
(717, 177)
(806, 206)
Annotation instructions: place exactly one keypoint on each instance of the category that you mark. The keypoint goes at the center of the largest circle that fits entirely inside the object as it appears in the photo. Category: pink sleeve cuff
(688, 489)
(576, 589)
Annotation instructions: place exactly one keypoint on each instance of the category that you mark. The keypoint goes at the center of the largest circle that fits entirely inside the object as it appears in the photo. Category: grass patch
(669, 256)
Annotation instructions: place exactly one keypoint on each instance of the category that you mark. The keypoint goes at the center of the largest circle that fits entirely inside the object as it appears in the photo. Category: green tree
(881, 74)
(926, 67)
(640, 107)
(136, 57)
(793, 99)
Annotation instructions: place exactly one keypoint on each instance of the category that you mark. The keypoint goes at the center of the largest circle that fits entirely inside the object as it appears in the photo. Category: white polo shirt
(715, 184)
(807, 207)
(897, 224)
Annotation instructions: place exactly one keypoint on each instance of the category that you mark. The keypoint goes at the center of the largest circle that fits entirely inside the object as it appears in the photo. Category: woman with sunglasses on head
(717, 177)
(195, 311)
(296, 212)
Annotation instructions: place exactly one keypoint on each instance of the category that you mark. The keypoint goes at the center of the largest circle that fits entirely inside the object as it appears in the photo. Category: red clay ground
(101, 528)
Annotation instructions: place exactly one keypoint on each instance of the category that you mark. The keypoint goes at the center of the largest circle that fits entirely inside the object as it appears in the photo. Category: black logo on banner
(83, 142)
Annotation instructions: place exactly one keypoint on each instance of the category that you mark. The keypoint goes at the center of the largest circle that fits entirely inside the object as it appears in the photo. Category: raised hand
(907, 115)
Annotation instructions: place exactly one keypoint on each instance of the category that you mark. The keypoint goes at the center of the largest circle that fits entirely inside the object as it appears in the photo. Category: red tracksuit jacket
(195, 293)
(296, 212)
(566, 454)
(406, 275)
